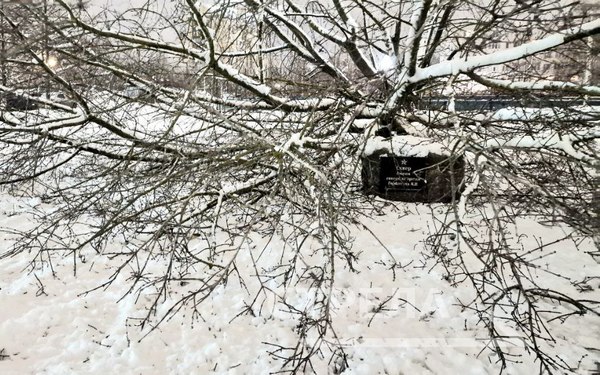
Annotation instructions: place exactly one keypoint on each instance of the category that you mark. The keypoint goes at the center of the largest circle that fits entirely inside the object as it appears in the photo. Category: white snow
(563, 142)
(460, 65)
(52, 326)
(385, 63)
(546, 85)
(524, 113)
(405, 145)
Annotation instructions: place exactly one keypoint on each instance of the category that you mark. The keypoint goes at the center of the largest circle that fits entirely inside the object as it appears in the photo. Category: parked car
(136, 92)
(20, 102)
(30, 100)
(60, 98)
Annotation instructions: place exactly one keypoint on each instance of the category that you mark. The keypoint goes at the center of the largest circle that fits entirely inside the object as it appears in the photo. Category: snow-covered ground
(390, 320)
(50, 325)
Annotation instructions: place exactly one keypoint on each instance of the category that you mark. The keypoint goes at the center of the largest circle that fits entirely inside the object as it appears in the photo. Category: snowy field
(403, 319)
(169, 231)
(407, 324)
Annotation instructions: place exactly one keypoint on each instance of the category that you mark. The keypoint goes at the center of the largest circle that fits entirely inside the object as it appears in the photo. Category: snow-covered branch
(466, 65)
(538, 85)
(554, 141)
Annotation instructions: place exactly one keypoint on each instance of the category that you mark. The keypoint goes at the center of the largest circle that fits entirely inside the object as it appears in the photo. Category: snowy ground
(49, 325)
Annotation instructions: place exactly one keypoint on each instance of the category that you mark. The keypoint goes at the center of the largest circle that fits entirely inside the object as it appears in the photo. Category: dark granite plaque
(402, 174)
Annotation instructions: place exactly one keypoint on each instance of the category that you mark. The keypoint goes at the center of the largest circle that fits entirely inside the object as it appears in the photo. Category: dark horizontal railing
(491, 103)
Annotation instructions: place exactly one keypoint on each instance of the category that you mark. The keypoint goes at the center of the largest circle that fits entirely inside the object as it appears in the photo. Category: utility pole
(3, 52)
(45, 52)
(9, 8)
